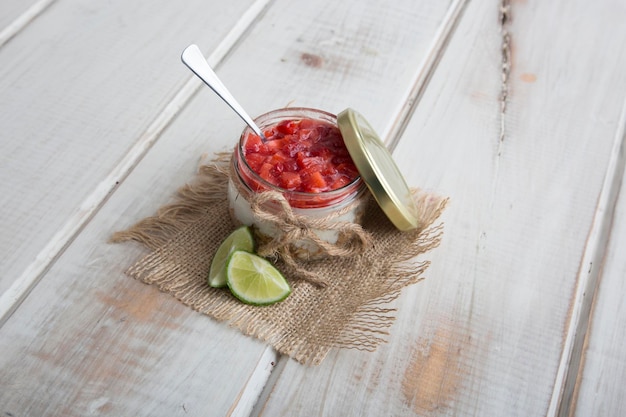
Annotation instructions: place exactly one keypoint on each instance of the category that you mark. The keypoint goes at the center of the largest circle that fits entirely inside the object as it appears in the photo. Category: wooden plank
(484, 335)
(16, 15)
(588, 276)
(88, 339)
(603, 373)
(68, 123)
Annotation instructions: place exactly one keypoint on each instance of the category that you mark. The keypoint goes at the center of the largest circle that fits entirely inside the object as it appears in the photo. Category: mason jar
(305, 160)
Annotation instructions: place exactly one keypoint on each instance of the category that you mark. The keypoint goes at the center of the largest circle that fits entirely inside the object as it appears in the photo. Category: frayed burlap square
(352, 311)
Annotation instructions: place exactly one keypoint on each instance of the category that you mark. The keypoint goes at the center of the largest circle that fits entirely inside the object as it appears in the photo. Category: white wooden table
(521, 313)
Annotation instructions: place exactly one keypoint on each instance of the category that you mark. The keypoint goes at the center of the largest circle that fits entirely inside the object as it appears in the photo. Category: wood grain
(16, 15)
(101, 123)
(89, 340)
(68, 122)
(603, 371)
(588, 277)
(489, 325)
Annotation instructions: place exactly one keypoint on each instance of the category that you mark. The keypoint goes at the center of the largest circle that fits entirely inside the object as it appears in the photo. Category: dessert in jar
(304, 158)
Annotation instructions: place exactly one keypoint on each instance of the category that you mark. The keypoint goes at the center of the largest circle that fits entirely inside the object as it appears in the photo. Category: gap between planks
(570, 365)
(270, 365)
(11, 299)
(425, 71)
(255, 391)
(392, 137)
(23, 20)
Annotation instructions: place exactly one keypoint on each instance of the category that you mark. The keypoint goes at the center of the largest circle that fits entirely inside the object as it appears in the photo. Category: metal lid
(378, 170)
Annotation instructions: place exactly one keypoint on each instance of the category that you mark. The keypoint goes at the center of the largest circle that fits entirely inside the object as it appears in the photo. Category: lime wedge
(254, 280)
(240, 239)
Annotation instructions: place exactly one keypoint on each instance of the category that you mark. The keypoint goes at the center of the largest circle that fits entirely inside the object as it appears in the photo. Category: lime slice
(240, 239)
(254, 280)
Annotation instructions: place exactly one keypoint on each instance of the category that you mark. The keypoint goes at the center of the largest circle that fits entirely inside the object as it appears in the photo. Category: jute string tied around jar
(354, 309)
(273, 209)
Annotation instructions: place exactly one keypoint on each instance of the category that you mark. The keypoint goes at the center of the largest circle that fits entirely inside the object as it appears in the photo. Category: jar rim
(298, 112)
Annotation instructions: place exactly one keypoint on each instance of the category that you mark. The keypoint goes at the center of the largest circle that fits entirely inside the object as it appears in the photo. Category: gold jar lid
(378, 170)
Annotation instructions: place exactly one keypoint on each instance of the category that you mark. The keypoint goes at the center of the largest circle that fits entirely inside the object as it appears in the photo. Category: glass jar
(295, 145)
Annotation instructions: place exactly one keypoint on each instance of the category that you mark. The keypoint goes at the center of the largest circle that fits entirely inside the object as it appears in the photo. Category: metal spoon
(197, 63)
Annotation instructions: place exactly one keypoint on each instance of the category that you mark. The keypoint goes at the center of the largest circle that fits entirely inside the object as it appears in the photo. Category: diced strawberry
(290, 180)
(275, 145)
(305, 146)
(329, 169)
(288, 127)
(255, 160)
(316, 180)
(310, 135)
(293, 148)
(324, 152)
(278, 168)
(291, 165)
(301, 155)
(343, 166)
(253, 143)
(265, 150)
(308, 124)
(310, 162)
(265, 171)
(278, 157)
(340, 182)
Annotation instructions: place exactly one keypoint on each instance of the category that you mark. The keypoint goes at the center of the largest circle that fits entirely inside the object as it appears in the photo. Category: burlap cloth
(352, 311)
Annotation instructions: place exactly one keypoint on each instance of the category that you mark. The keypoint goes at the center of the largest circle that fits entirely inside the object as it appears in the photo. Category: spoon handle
(193, 58)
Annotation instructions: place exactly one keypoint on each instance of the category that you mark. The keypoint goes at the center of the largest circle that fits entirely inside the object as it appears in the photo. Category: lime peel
(240, 239)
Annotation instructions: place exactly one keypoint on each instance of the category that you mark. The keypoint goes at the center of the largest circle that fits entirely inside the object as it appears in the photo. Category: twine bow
(295, 229)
